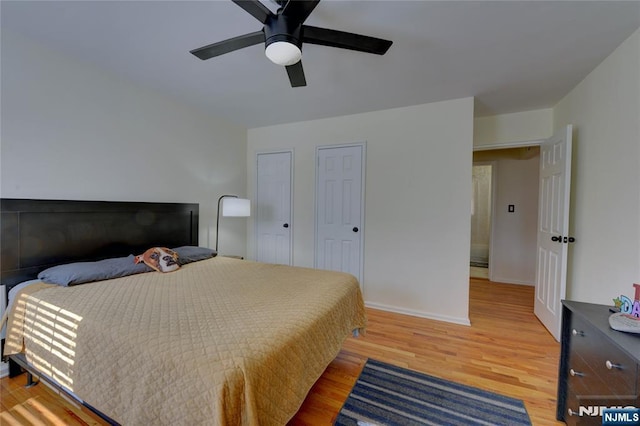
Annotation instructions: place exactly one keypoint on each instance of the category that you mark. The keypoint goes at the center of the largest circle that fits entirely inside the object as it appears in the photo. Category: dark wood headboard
(37, 234)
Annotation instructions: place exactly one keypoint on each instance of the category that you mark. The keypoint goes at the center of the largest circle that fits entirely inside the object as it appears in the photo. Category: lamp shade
(237, 207)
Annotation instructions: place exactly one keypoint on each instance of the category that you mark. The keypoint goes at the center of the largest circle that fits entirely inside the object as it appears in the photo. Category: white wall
(418, 158)
(515, 236)
(605, 214)
(514, 127)
(71, 131)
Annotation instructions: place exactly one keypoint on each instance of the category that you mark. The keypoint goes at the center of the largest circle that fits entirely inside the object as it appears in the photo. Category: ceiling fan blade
(299, 10)
(296, 75)
(226, 46)
(255, 9)
(343, 40)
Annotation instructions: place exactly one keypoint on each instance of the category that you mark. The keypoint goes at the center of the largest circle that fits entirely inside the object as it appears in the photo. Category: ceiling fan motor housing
(280, 28)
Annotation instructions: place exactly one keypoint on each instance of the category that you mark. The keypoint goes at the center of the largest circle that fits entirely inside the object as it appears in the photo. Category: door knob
(286, 225)
(355, 229)
(556, 238)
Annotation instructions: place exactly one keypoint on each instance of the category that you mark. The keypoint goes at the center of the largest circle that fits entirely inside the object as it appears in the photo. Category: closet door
(339, 209)
(273, 208)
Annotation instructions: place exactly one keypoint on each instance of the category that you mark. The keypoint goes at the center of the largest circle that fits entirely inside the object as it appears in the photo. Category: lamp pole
(218, 216)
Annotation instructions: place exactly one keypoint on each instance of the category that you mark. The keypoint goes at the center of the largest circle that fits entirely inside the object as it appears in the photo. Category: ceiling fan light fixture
(283, 34)
(283, 53)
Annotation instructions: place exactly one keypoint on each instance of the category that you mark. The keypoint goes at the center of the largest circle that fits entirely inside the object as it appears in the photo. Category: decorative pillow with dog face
(161, 259)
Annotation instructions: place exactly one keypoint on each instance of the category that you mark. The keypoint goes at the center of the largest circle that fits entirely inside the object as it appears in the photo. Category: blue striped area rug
(388, 395)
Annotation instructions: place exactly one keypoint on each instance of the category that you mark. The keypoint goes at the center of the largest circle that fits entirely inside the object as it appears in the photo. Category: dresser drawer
(616, 370)
(586, 410)
(581, 378)
(574, 416)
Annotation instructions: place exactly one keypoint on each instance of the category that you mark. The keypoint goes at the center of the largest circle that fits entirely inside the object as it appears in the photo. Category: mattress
(220, 341)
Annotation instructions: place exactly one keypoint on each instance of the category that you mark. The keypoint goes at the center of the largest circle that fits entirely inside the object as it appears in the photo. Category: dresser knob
(577, 333)
(575, 373)
(610, 365)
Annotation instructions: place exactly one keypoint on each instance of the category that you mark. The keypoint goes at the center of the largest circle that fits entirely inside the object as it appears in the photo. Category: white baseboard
(4, 369)
(511, 281)
(421, 314)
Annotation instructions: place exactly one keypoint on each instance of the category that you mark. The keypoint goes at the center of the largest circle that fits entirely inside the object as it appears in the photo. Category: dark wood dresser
(599, 367)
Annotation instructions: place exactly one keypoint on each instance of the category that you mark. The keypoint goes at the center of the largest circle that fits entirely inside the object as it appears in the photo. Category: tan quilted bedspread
(221, 341)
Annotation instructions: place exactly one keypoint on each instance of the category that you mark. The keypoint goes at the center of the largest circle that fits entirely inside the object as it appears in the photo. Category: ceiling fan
(284, 33)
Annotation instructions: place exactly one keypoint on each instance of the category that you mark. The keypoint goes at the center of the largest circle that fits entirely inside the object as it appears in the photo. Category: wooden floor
(506, 350)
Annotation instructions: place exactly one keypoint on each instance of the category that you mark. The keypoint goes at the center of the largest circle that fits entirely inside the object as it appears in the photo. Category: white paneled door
(553, 229)
(339, 209)
(273, 208)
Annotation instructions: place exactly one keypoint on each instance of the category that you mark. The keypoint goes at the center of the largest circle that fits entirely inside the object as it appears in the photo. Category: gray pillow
(85, 272)
(188, 254)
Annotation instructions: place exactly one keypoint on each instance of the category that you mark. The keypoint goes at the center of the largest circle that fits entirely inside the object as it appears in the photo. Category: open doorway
(505, 214)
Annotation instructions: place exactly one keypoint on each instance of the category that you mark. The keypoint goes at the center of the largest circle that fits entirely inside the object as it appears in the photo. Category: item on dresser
(625, 322)
(628, 305)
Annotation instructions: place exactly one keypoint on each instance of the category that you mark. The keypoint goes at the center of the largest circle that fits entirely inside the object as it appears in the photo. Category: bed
(219, 341)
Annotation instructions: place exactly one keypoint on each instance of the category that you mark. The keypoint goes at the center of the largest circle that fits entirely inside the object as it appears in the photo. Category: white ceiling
(511, 55)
